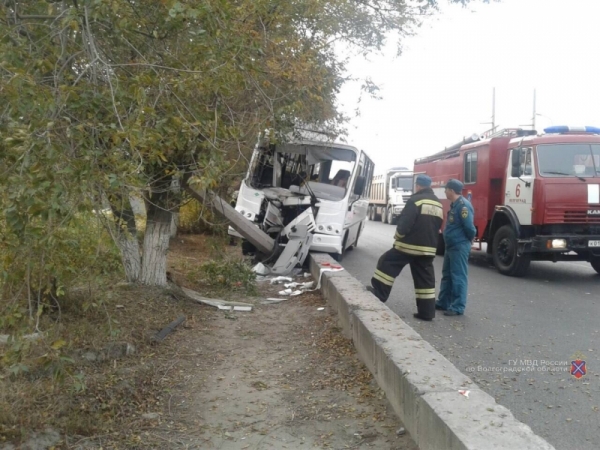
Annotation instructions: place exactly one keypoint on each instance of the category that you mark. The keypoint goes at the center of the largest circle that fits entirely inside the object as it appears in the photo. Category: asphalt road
(511, 324)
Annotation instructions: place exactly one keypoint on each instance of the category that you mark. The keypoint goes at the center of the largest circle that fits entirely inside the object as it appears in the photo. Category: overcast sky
(440, 88)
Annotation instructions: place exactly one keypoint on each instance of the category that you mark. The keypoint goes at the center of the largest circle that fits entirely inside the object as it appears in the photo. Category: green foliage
(225, 275)
(72, 252)
(194, 218)
(35, 285)
(103, 97)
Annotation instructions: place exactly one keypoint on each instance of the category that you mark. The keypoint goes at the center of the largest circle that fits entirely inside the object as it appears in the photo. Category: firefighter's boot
(425, 309)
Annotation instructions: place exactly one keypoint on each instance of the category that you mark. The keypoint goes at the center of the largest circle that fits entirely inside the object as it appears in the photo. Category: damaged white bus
(318, 184)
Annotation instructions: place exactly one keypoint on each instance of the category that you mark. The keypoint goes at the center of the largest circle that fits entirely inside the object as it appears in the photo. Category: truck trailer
(389, 192)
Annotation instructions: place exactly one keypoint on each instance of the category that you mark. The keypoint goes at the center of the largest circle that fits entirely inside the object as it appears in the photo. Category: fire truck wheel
(505, 255)
(596, 264)
(441, 246)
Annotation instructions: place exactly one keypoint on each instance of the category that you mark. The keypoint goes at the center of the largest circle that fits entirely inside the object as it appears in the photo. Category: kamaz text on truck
(389, 193)
(536, 197)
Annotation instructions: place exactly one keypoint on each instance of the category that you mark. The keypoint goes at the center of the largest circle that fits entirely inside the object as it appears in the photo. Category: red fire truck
(536, 196)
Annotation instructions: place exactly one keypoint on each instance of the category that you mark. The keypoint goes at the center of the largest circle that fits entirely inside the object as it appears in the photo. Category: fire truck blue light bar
(567, 129)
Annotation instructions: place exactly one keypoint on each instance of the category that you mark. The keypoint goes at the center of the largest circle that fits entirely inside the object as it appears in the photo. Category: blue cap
(455, 185)
(423, 180)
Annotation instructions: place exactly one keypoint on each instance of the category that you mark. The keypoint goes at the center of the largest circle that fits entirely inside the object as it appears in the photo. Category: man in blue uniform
(415, 244)
(459, 232)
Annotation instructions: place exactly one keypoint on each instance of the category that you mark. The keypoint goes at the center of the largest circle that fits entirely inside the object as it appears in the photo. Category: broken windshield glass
(291, 166)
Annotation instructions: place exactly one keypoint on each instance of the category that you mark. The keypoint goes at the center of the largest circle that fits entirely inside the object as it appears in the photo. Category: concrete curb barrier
(421, 385)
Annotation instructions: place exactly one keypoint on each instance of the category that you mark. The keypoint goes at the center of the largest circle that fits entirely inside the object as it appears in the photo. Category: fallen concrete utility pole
(293, 253)
(261, 240)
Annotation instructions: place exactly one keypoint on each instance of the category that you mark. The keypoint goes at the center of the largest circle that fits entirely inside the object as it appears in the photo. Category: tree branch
(156, 66)
(37, 16)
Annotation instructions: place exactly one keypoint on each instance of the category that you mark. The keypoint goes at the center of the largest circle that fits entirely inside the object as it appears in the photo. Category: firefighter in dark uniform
(415, 244)
(459, 232)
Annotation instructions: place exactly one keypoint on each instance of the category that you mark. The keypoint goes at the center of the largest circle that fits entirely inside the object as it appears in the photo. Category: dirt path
(279, 377)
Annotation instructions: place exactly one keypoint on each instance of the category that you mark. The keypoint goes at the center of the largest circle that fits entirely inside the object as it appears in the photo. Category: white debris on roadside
(292, 288)
(278, 280)
(236, 308)
(306, 285)
(326, 267)
(464, 392)
(220, 304)
(261, 269)
(301, 288)
(290, 292)
(272, 301)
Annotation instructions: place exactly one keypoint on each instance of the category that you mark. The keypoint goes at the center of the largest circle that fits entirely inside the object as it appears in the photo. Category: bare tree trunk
(126, 238)
(130, 255)
(174, 224)
(156, 243)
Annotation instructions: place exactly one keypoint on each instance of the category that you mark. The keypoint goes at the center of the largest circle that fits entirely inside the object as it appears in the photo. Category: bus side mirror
(359, 186)
(516, 162)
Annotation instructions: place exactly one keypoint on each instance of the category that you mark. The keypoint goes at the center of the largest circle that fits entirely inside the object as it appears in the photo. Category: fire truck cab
(535, 196)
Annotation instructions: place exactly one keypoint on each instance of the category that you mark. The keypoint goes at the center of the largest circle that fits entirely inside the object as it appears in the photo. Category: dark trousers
(390, 265)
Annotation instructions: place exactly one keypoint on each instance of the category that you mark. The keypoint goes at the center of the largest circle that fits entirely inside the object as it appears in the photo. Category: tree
(105, 99)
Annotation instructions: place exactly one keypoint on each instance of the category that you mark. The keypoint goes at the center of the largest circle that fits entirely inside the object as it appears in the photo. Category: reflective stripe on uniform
(414, 249)
(425, 293)
(426, 201)
(432, 210)
(385, 279)
(398, 236)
